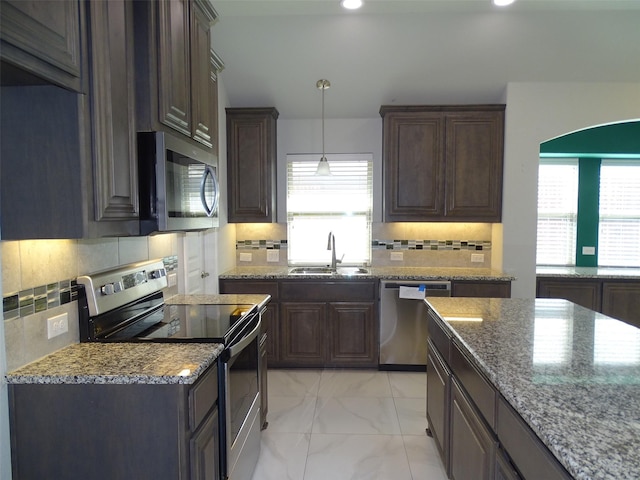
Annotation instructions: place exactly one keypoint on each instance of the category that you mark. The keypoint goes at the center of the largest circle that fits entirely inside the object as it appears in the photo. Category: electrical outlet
(477, 257)
(273, 255)
(57, 325)
(172, 279)
(245, 257)
(397, 256)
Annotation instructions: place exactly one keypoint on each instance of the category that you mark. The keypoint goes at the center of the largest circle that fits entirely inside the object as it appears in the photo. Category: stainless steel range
(127, 305)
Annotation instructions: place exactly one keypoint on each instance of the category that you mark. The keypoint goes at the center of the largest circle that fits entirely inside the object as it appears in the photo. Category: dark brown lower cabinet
(622, 301)
(352, 338)
(473, 446)
(303, 328)
(504, 469)
(583, 292)
(438, 392)
(465, 288)
(478, 435)
(116, 431)
(617, 298)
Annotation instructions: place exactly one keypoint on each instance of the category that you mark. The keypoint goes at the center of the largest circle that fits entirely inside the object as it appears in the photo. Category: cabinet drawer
(478, 388)
(329, 291)
(203, 396)
(524, 448)
(257, 287)
(438, 336)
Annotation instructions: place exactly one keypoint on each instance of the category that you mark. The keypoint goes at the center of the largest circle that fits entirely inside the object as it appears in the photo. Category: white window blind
(619, 227)
(557, 212)
(341, 203)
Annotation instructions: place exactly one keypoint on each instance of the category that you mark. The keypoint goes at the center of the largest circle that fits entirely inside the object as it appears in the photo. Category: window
(557, 212)
(619, 222)
(341, 203)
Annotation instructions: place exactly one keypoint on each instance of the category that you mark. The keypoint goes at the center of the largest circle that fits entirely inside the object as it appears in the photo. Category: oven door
(241, 407)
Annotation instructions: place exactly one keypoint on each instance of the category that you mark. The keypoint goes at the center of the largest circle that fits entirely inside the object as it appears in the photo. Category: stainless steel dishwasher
(403, 322)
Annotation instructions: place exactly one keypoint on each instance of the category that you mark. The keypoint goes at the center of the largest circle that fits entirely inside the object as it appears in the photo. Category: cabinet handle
(204, 274)
(210, 211)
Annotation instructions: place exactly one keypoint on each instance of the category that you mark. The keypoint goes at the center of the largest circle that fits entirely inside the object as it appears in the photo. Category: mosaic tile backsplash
(477, 245)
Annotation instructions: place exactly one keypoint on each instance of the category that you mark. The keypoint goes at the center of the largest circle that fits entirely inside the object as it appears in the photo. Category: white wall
(361, 135)
(537, 112)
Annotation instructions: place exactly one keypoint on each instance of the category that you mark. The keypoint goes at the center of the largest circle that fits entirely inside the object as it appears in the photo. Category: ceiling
(416, 51)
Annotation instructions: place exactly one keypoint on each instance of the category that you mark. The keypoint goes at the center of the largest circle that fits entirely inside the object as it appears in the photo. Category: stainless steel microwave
(178, 184)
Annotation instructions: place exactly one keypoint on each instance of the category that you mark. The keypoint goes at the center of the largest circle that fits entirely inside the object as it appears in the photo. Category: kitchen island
(568, 375)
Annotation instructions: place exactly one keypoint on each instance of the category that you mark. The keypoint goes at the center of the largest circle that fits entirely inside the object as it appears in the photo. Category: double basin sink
(327, 271)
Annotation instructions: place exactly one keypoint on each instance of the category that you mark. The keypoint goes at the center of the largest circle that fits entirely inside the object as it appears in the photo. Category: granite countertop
(120, 363)
(382, 273)
(572, 374)
(589, 272)
(217, 299)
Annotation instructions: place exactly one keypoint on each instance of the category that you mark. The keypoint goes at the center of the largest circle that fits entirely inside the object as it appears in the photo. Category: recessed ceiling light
(351, 4)
(503, 3)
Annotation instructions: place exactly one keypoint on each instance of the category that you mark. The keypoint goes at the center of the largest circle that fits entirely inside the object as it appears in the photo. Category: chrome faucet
(331, 245)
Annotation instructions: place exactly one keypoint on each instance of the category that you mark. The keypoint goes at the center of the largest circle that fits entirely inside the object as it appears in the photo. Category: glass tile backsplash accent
(261, 244)
(38, 299)
(477, 245)
(45, 297)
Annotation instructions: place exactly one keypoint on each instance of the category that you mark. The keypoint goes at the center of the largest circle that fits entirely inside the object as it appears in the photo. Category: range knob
(107, 289)
(140, 277)
(155, 274)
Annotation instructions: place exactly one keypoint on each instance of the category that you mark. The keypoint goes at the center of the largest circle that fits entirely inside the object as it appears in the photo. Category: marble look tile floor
(347, 425)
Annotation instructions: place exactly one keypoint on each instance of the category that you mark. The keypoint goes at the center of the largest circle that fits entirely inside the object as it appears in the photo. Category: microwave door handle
(210, 211)
(246, 340)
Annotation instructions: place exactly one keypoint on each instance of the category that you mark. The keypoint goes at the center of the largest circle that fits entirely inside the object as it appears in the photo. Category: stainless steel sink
(311, 271)
(328, 271)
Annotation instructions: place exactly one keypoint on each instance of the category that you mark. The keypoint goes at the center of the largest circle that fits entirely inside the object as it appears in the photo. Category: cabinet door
(202, 104)
(474, 157)
(504, 469)
(303, 327)
(251, 164)
(438, 394)
(205, 451)
(353, 336)
(174, 74)
(113, 126)
(270, 323)
(622, 301)
(481, 289)
(413, 153)
(583, 292)
(472, 446)
(42, 38)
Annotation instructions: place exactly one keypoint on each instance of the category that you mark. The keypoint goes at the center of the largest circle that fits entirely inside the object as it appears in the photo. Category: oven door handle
(245, 340)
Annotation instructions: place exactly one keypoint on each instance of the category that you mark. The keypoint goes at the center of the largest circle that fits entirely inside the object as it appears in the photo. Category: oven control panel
(114, 288)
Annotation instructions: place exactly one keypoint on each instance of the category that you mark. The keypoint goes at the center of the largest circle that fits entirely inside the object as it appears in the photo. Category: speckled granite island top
(589, 272)
(120, 363)
(383, 273)
(572, 374)
(239, 299)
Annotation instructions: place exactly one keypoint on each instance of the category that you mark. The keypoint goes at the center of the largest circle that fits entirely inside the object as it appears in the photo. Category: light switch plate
(588, 250)
(245, 257)
(273, 255)
(397, 256)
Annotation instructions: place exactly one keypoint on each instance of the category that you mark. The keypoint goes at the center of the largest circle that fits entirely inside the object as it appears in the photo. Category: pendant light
(323, 164)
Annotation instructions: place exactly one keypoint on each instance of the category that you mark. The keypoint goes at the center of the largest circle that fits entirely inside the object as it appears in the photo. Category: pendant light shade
(323, 164)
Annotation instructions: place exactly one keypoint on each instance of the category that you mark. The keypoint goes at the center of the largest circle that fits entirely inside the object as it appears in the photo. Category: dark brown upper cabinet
(68, 160)
(174, 60)
(443, 163)
(251, 164)
(40, 43)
